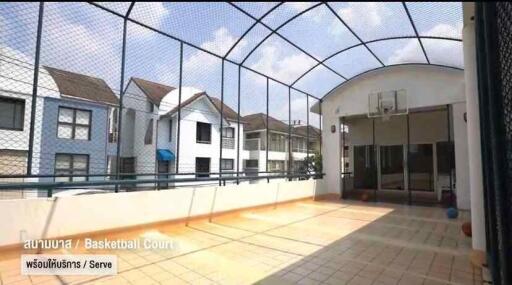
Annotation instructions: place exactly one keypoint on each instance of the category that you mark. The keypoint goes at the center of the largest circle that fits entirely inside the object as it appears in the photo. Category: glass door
(365, 167)
(421, 167)
(392, 167)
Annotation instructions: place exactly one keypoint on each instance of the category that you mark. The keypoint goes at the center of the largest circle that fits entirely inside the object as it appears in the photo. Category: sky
(82, 38)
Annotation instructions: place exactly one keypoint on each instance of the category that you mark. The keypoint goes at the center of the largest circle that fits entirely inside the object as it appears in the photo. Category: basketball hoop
(386, 104)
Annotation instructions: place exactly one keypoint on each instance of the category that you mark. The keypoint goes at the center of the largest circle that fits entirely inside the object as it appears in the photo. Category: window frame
(71, 170)
(209, 167)
(74, 124)
(228, 129)
(148, 139)
(15, 101)
(224, 160)
(198, 132)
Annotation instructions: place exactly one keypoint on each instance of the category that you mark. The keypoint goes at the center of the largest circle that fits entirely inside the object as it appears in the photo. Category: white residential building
(149, 131)
(278, 156)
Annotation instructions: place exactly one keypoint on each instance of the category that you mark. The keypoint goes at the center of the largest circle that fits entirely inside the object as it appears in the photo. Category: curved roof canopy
(312, 46)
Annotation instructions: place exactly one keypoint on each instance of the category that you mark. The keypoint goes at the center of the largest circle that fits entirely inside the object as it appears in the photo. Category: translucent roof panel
(213, 26)
(319, 25)
(375, 20)
(437, 52)
(119, 7)
(353, 61)
(398, 51)
(279, 59)
(285, 12)
(256, 9)
(318, 81)
(248, 42)
(437, 19)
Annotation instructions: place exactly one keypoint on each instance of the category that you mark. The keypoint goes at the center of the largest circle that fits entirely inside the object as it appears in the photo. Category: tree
(312, 164)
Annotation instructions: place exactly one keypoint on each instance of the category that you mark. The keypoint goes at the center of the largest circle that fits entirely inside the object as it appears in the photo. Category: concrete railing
(63, 216)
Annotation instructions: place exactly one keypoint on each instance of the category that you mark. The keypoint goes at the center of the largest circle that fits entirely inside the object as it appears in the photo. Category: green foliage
(312, 163)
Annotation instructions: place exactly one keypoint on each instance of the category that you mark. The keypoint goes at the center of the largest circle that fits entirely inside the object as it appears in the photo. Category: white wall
(426, 86)
(49, 218)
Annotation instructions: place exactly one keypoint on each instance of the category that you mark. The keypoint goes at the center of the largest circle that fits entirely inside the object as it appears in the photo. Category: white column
(474, 143)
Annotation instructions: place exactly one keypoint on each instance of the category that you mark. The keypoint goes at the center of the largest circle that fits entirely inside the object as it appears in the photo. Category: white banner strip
(66, 264)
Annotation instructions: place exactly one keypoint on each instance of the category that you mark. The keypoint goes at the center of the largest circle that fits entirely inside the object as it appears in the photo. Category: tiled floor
(322, 242)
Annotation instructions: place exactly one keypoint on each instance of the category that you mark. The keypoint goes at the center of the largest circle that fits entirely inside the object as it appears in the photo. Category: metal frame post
(221, 123)
(178, 128)
(238, 131)
(35, 83)
(290, 154)
(267, 145)
(409, 190)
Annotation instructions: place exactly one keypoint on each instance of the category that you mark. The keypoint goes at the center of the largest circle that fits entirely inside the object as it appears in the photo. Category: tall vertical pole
(267, 145)
(178, 129)
(221, 123)
(320, 124)
(342, 129)
(34, 89)
(376, 162)
(409, 193)
(290, 154)
(120, 112)
(307, 129)
(450, 161)
(238, 132)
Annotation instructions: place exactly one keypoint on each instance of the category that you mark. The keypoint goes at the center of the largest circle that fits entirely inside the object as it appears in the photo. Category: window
(227, 164)
(74, 124)
(150, 107)
(251, 163)
(228, 132)
(12, 112)
(252, 135)
(71, 164)
(203, 166)
(112, 131)
(276, 165)
(170, 130)
(148, 138)
(203, 133)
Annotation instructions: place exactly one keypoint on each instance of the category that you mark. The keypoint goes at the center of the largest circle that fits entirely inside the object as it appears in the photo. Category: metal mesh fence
(105, 91)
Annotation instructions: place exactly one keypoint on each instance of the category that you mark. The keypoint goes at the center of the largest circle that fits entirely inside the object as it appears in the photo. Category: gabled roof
(82, 86)
(154, 91)
(303, 131)
(228, 113)
(258, 121)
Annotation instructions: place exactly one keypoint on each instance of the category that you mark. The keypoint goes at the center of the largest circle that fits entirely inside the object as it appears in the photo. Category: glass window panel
(83, 117)
(7, 113)
(80, 162)
(81, 133)
(65, 131)
(65, 115)
(76, 176)
(63, 162)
